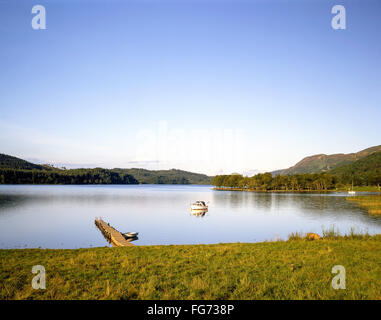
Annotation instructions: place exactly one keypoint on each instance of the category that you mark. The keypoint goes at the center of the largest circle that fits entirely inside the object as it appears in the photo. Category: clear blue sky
(208, 86)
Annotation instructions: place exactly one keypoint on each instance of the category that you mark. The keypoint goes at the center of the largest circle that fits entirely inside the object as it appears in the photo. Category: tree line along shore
(319, 182)
(364, 174)
(18, 171)
(297, 182)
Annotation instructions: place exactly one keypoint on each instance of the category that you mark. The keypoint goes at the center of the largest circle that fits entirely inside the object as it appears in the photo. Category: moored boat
(352, 192)
(199, 205)
(130, 234)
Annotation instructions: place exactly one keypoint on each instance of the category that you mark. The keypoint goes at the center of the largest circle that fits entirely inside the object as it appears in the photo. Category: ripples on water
(63, 216)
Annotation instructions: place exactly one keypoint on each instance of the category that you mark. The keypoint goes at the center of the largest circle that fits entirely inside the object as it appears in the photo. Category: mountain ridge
(17, 170)
(323, 162)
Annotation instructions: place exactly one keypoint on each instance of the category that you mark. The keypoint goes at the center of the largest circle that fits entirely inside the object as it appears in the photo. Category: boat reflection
(130, 239)
(198, 212)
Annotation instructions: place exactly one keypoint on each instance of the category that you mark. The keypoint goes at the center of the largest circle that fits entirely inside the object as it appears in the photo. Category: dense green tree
(298, 182)
(75, 176)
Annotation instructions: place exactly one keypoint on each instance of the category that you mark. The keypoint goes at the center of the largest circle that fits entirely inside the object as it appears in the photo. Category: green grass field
(293, 269)
(365, 189)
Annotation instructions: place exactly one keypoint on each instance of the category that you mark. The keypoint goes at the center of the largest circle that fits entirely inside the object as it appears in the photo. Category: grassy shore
(371, 203)
(293, 269)
(365, 189)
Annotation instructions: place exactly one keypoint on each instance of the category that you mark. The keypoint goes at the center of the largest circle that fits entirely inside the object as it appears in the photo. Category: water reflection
(9, 201)
(199, 212)
(131, 239)
(62, 216)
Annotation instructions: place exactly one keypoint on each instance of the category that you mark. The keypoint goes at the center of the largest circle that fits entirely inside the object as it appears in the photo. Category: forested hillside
(323, 163)
(172, 176)
(74, 176)
(363, 172)
(16, 163)
(366, 171)
(17, 171)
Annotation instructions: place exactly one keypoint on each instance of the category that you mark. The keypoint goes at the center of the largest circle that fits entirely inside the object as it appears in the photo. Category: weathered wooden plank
(113, 235)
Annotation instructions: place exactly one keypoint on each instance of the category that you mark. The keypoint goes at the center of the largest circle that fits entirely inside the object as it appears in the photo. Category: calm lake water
(63, 216)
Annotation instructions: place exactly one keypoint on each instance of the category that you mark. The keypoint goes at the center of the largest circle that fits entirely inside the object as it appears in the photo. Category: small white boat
(131, 234)
(199, 205)
(351, 192)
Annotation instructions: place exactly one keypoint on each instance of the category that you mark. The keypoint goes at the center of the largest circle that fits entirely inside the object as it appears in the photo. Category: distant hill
(173, 176)
(9, 162)
(322, 162)
(15, 171)
(366, 169)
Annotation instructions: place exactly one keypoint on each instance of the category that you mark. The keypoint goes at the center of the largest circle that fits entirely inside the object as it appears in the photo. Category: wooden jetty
(111, 234)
